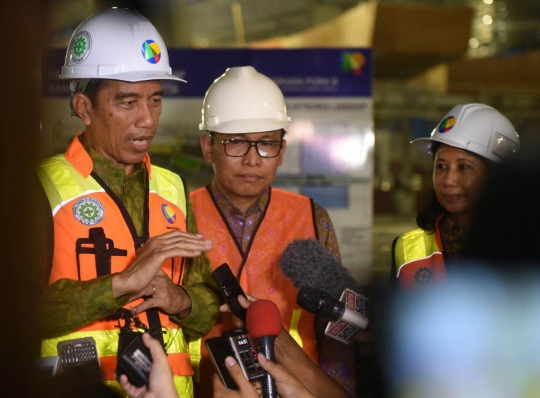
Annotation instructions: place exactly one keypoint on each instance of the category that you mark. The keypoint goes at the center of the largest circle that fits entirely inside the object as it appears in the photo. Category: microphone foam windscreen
(263, 319)
(306, 262)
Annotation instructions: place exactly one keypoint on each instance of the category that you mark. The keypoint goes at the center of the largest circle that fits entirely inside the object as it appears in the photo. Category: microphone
(306, 262)
(263, 322)
(348, 316)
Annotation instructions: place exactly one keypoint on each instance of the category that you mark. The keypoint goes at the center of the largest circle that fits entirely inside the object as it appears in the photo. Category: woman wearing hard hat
(469, 141)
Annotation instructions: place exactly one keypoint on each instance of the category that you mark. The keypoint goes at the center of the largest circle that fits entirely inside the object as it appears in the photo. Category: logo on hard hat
(169, 213)
(447, 124)
(81, 46)
(151, 51)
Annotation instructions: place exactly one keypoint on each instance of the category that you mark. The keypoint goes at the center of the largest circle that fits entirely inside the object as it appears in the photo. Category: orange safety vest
(288, 217)
(94, 236)
(418, 258)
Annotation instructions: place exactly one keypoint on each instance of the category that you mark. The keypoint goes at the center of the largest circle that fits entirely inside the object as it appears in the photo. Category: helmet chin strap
(76, 86)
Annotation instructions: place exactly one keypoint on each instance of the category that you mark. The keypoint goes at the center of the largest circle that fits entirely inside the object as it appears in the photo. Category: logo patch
(447, 124)
(88, 211)
(80, 49)
(151, 52)
(169, 213)
(423, 276)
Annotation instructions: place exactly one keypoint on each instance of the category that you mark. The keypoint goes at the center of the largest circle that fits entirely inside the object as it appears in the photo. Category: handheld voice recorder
(231, 289)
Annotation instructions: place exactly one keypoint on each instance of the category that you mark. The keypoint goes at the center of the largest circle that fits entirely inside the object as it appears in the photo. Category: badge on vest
(423, 276)
(169, 213)
(88, 211)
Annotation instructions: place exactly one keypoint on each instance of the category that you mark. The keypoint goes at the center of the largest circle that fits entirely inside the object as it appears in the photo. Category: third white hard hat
(242, 100)
(477, 128)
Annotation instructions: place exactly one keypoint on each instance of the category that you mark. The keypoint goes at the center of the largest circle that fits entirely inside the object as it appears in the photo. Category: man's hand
(151, 256)
(166, 295)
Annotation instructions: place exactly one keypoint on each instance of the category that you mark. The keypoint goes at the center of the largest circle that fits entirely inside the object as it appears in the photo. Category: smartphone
(79, 355)
(231, 289)
(219, 348)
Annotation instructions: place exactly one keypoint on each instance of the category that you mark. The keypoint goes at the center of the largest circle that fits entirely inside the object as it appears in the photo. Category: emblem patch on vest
(423, 276)
(88, 211)
(169, 213)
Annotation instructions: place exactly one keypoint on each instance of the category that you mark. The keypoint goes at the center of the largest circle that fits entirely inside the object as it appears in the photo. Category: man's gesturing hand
(149, 258)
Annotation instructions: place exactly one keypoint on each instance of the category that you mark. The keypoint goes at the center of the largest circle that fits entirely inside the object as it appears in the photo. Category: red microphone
(263, 322)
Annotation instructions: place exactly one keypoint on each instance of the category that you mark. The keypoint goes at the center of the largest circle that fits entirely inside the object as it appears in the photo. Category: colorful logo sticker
(151, 51)
(169, 213)
(447, 124)
(81, 46)
(353, 62)
(88, 211)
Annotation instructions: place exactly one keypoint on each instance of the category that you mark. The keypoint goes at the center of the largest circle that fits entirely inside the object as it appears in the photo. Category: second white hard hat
(477, 128)
(242, 100)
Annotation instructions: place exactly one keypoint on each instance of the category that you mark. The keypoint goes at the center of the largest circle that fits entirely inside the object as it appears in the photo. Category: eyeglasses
(240, 148)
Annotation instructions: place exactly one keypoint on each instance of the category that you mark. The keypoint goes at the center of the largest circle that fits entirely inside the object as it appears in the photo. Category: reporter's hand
(245, 388)
(245, 303)
(287, 385)
(160, 379)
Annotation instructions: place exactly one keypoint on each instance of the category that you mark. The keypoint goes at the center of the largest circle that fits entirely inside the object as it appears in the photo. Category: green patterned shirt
(70, 304)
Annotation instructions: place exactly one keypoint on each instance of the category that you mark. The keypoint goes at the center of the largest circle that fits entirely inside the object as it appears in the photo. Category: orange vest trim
(288, 217)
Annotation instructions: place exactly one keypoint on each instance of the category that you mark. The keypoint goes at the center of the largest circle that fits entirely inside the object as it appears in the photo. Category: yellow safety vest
(85, 217)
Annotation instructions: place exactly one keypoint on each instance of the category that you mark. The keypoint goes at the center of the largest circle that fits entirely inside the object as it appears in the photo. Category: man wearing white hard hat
(124, 232)
(466, 145)
(249, 222)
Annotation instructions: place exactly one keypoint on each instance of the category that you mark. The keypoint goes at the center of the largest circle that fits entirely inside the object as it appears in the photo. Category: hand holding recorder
(160, 380)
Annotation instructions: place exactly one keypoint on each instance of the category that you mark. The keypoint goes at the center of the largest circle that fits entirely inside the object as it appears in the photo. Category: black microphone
(263, 322)
(348, 316)
(306, 262)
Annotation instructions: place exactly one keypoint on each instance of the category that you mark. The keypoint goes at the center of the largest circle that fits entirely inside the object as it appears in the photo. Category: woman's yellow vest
(418, 258)
(288, 217)
(94, 236)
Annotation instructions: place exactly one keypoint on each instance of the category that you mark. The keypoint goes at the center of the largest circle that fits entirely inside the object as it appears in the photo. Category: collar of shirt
(113, 176)
(130, 190)
(226, 206)
(242, 225)
(452, 237)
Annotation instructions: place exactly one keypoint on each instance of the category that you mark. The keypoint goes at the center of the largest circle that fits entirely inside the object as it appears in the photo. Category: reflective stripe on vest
(107, 347)
(288, 217)
(195, 356)
(419, 259)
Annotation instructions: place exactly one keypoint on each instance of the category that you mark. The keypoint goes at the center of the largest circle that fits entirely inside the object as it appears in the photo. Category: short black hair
(92, 89)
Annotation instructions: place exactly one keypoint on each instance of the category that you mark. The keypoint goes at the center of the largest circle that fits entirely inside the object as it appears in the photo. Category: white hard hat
(117, 44)
(477, 128)
(243, 100)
